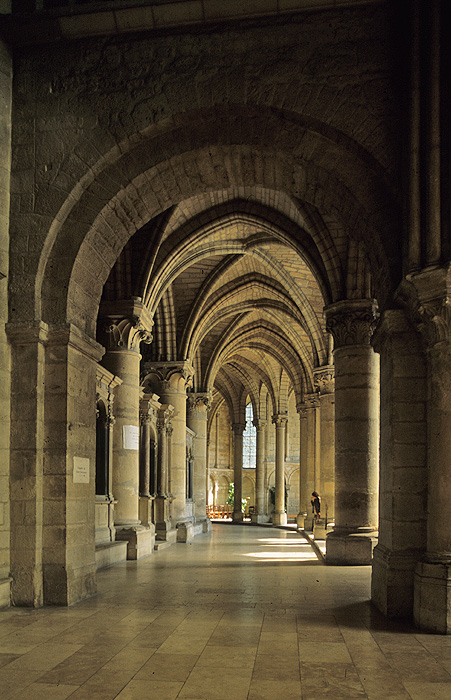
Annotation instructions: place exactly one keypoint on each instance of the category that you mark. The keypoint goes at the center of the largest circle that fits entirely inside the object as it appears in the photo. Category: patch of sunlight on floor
(282, 556)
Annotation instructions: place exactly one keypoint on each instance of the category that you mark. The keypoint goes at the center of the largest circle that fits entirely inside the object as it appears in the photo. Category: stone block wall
(5, 366)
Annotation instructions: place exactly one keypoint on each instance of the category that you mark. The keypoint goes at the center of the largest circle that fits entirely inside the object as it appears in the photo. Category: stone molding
(27, 333)
(301, 408)
(125, 324)
(351, 322)
(426, 296)
(324, 379)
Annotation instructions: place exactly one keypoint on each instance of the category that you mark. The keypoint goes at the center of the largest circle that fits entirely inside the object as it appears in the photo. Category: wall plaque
(81, 470)
(130, 437)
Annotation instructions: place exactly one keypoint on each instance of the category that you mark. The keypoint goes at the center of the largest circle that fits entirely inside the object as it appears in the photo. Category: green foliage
(231, 496)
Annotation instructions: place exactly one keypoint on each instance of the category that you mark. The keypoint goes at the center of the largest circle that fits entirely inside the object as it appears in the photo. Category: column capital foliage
(125, 324)
(301, 408)
(280, 420)
(199, 402)
(164, 415)
(426, 297)
(238, 428)
(167, 376)
(324, 379)
(311, 401)
(351, 322)
(259, 424)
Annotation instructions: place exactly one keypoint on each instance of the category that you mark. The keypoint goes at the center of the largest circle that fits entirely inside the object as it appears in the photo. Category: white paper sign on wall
(130, 437)
(81, 470)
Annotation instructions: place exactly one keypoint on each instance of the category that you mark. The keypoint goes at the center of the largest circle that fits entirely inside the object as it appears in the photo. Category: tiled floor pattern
(244, 614)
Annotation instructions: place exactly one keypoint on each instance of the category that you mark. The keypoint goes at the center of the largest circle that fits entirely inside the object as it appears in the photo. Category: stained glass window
(249, 440)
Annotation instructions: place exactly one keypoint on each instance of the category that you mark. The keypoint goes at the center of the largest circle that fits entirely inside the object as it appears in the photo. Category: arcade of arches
(208, 214)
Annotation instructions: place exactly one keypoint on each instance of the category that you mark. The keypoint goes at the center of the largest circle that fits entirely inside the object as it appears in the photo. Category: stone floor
(246, 614)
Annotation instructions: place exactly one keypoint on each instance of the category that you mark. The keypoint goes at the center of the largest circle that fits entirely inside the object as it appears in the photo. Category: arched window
(249, 440)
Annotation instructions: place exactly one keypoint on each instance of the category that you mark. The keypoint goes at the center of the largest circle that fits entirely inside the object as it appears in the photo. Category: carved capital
(311, 401)
(301, 408)
(238, 428)
(426, 296)
(351, 322)
(164, 415)
(280, 420)
(163, 377)
(324, 379)
(260, 424)
(124, 325)
(199, 402)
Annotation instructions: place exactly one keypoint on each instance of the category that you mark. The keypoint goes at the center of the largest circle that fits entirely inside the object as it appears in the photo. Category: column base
(352, 549)
(300, 521)
(432, 596)
(140, 541)
(185, 531)
(392, 581)
(206, 525)
(320, 530)
(258, 518)
(237, 516)
(279, 519)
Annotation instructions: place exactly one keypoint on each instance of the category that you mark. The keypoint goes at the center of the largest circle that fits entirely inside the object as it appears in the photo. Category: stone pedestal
(140, 541)
(280, 516)
(432, 596)
(356, 433)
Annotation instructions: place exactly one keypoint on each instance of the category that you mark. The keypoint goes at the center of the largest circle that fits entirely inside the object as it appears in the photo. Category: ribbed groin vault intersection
(224, 285)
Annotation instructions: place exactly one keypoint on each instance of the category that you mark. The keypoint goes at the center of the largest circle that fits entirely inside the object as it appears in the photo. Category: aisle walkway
(246, 614)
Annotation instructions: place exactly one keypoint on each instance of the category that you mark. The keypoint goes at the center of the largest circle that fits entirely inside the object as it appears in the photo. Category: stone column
(149, 407)
(238, 430)
(280, 516)
(197, 413)
(26, 475)
(356, 433)
(304, 496)
(170, 380)
(261, 515)
(325, 384)
(312, 453)
(125, 325)
(403, 469)
(432, 584)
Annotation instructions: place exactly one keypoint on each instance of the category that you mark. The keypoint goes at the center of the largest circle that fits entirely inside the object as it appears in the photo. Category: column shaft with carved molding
(170, 380)
(238, 430)
(261, 515)
(304, 496)
(356, 432)
(123, 326)
(430, 308)
(312, 450)
(325, 384)
(280, 516)
(197, 412)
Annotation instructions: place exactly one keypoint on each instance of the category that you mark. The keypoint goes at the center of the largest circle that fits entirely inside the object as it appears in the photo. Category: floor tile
(147, 690)
(167, 667)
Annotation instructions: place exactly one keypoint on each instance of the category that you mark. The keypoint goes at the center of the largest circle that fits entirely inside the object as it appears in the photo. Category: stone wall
(107, 110)
(5, 161)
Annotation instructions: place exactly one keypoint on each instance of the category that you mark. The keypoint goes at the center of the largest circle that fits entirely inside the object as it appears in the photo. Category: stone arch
(133, 183)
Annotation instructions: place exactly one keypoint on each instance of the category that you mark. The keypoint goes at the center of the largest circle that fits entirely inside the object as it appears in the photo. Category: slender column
(197, 413)
(325, 383)
(304, 497)
(280, 516)
(403, 470)
(125, 325)
(432, 589)
(356, 432)
(311, 452)
(238, 430)
(261, 515)
(144, 472)
(169, 380)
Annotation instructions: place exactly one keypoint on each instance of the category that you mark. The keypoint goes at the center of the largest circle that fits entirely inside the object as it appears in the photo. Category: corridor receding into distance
(248, 613)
